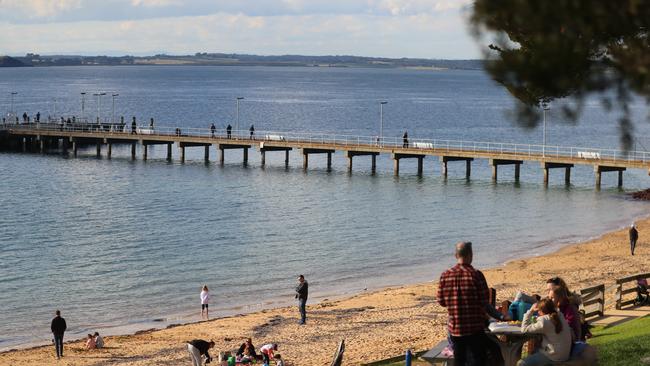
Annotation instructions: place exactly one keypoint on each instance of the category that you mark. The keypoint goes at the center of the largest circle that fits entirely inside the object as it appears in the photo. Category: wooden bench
(621, 291)
(591, 296)
(434, 355)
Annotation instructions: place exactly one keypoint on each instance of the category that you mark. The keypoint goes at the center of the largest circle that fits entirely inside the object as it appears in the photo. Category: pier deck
(549, 157)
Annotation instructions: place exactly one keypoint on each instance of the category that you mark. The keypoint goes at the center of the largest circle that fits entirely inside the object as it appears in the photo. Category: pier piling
(552, 165)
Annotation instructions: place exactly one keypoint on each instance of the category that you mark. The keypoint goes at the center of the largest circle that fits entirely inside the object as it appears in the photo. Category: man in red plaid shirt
(464, 292)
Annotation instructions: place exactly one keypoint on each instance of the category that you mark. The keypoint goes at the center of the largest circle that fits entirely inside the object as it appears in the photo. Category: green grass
(627, 344)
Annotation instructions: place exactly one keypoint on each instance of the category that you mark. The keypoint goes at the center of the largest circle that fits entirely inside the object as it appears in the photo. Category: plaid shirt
(464, 292)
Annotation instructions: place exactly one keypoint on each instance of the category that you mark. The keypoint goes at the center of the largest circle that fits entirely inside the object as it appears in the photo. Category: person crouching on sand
(198, 348)
(267, 351)
(205, 299)
(90, 342)
(99, 341)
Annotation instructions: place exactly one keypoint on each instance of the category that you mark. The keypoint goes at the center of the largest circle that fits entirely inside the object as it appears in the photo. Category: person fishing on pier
(229, 131)
(212, 129)
(134, 127)
(252, 130)
(405, 139)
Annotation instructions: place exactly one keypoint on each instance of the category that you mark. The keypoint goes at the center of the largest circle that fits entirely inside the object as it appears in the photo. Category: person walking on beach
(634, 236)
(228, 131)
(58, 327)
(212, 129)
(252, 130)
(464, 292)
(198, 348)
(405, 139)
(302, 292)
(205, 299)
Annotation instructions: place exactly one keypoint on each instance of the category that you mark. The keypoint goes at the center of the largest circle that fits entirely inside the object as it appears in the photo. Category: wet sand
(376, 325)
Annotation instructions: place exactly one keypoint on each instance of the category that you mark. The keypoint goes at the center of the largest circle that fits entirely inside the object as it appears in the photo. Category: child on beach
(90, 342)
(267, 352)
(278, 360)
(205, 298)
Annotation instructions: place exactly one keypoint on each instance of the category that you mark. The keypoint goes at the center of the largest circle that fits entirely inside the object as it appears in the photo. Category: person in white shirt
(205, 299)
(555, 331)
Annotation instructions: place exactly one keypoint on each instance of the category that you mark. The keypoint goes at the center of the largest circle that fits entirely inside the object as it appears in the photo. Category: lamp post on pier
(12, 103)
(83, 104)
(381, 121)
(545, 107)
(113, 113)
(99, 105)
(237, 125)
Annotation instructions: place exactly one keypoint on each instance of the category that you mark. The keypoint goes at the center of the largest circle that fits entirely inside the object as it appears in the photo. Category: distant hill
(233, 59)
(6, 61)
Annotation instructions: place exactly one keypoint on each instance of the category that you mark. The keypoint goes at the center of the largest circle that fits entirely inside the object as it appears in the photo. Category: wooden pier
(45, 136)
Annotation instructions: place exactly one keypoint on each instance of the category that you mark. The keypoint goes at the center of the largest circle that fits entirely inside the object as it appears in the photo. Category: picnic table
(511, 341)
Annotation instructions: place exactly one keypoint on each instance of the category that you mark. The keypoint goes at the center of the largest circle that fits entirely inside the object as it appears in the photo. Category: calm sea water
(120, 245)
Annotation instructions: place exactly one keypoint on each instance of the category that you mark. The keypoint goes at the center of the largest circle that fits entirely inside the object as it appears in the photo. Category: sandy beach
(376, 325)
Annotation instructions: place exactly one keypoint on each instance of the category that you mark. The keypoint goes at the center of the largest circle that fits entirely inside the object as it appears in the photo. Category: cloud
(419, 35)
(156, 3)
(39, 8)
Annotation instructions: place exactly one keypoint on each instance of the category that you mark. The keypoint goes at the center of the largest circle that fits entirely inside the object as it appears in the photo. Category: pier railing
(349, 141)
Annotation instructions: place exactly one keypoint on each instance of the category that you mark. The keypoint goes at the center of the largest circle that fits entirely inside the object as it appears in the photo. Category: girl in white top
(556, 334)
(205, 299)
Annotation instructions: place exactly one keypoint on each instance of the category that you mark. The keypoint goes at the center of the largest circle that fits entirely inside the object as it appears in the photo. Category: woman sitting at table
(556, 334)
(570, 311)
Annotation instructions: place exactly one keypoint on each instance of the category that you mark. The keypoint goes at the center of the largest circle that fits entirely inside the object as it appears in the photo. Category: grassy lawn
(627, 344)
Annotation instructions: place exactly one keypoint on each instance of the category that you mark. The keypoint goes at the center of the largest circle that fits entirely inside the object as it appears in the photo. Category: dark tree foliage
(548, 49)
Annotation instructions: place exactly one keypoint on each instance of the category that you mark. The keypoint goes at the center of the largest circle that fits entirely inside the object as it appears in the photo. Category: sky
(380, 28)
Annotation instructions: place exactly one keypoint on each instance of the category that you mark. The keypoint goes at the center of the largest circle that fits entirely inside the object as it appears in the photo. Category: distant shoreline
(204, 59)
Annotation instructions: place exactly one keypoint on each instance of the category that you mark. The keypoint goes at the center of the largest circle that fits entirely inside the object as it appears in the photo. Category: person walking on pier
(134, 127)
(58, 327)
(38, 117)
(151, 125)
(229, 131)
(302, 292)
(463, 291)
(252, 130)
(405, 139)
(212, 129)
(24, 117)
(634, 236)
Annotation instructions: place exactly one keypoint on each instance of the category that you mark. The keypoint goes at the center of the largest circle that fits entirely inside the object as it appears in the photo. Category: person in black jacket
(228, 131)
(58, 327)
(302, 291)
(634, 236)
(198, 347)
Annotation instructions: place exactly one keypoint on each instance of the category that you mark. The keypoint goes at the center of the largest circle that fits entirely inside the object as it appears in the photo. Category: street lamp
(237, 125)
(113, 115)
(83, 104)
(545, 107)
(381, 120)
(12, 103)
(99, 104)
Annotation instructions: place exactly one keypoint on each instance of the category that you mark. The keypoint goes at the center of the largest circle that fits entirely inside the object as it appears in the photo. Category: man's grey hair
(464, 249)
